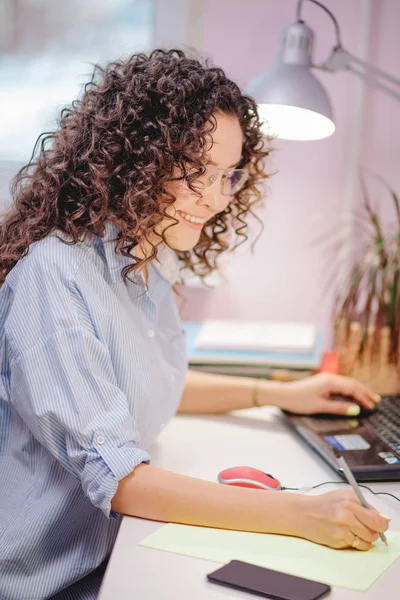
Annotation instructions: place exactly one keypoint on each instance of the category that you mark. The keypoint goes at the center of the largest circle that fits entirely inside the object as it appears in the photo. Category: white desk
(201, 446)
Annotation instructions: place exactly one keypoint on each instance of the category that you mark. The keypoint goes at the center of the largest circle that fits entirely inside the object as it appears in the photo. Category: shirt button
(150, 333)
(100, 440)
(172, 379)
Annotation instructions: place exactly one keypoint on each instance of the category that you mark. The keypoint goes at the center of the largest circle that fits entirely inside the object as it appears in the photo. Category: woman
(160, 159)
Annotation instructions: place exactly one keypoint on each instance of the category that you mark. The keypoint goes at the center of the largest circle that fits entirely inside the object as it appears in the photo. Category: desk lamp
(291, 101)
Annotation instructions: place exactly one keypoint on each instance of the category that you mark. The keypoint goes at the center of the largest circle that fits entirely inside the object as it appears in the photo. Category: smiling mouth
(191, 218)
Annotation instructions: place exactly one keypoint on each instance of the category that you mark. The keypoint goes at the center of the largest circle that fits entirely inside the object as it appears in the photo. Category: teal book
(288, 360)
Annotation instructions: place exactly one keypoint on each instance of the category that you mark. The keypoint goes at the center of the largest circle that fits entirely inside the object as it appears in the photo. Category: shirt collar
(167, 263)
(115, 261)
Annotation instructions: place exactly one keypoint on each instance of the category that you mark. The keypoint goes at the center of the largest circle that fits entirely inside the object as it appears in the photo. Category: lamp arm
(335, 23)
(370, 79)
(341, 59)
(374, 71)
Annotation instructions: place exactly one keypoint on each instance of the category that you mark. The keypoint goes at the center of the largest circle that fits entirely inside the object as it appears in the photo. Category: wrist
(288, 514)
(270, 393)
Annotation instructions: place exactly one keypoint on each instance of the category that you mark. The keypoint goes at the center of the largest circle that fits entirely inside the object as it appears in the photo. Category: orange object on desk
(330, 363)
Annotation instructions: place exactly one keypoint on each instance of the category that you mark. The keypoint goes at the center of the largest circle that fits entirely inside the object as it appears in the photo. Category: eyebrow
(230, 167)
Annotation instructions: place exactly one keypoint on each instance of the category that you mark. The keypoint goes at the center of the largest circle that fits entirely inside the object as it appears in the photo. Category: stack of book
(282, 351)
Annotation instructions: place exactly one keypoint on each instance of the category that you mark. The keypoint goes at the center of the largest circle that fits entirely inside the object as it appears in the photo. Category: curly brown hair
(116, 147)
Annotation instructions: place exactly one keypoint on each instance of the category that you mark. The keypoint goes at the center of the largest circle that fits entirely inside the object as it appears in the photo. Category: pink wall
(381, 134)
(288, 276)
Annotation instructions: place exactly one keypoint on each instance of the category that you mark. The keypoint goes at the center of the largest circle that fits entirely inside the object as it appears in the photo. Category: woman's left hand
(314, 395)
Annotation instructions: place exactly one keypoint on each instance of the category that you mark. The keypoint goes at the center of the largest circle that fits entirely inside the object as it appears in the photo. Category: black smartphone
(267, 583)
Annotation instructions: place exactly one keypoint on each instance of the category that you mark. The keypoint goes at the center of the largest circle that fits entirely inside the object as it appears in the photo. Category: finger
(361, 545)
(355, 389)
(371, 518)
(363, 532)
(350, 538)
(339, 407)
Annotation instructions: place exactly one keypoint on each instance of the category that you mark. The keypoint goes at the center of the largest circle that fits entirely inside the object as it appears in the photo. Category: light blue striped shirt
(91, 370)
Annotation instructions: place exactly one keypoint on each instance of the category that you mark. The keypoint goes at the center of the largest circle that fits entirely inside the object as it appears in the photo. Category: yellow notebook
(350, 569)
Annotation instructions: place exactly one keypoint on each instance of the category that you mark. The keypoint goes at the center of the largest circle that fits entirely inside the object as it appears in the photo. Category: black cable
(336, 482)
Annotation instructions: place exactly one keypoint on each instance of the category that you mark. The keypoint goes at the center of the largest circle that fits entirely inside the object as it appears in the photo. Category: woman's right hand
(337, 519)
(334, 519)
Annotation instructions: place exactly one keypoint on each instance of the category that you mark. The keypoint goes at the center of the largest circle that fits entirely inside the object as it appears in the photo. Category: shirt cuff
(105, 466)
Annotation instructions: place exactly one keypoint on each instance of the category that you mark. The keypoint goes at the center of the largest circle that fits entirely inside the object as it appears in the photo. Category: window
(47, 52)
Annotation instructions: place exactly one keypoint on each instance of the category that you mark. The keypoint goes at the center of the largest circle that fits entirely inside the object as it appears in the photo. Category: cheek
(185, 201)
(183, 198)
(225, 202)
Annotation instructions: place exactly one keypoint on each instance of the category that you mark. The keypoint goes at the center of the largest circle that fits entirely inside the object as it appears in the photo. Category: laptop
(370, 443)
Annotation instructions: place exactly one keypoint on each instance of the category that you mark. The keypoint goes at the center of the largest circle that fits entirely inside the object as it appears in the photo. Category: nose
(214, 199)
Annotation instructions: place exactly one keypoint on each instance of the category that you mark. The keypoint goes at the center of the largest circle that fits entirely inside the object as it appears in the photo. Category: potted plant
(367, 311)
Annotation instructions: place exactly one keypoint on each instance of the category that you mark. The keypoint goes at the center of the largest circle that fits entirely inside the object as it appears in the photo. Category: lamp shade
(292, 103)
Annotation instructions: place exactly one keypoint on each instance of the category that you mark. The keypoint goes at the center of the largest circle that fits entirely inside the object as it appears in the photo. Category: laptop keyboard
(385, 423)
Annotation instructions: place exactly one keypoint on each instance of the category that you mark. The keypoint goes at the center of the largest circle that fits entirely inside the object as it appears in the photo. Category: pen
(350, 478)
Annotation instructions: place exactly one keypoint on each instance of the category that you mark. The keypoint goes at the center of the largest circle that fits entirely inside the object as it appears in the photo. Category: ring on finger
(356, 542)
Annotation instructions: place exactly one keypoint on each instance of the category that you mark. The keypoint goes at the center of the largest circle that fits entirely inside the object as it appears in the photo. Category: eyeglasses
(232, 180)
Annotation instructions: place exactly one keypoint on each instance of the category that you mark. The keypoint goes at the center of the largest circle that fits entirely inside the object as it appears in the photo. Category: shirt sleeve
(66, 391)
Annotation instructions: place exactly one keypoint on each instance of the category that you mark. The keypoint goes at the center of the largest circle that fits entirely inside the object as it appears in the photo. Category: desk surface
(201, 446)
